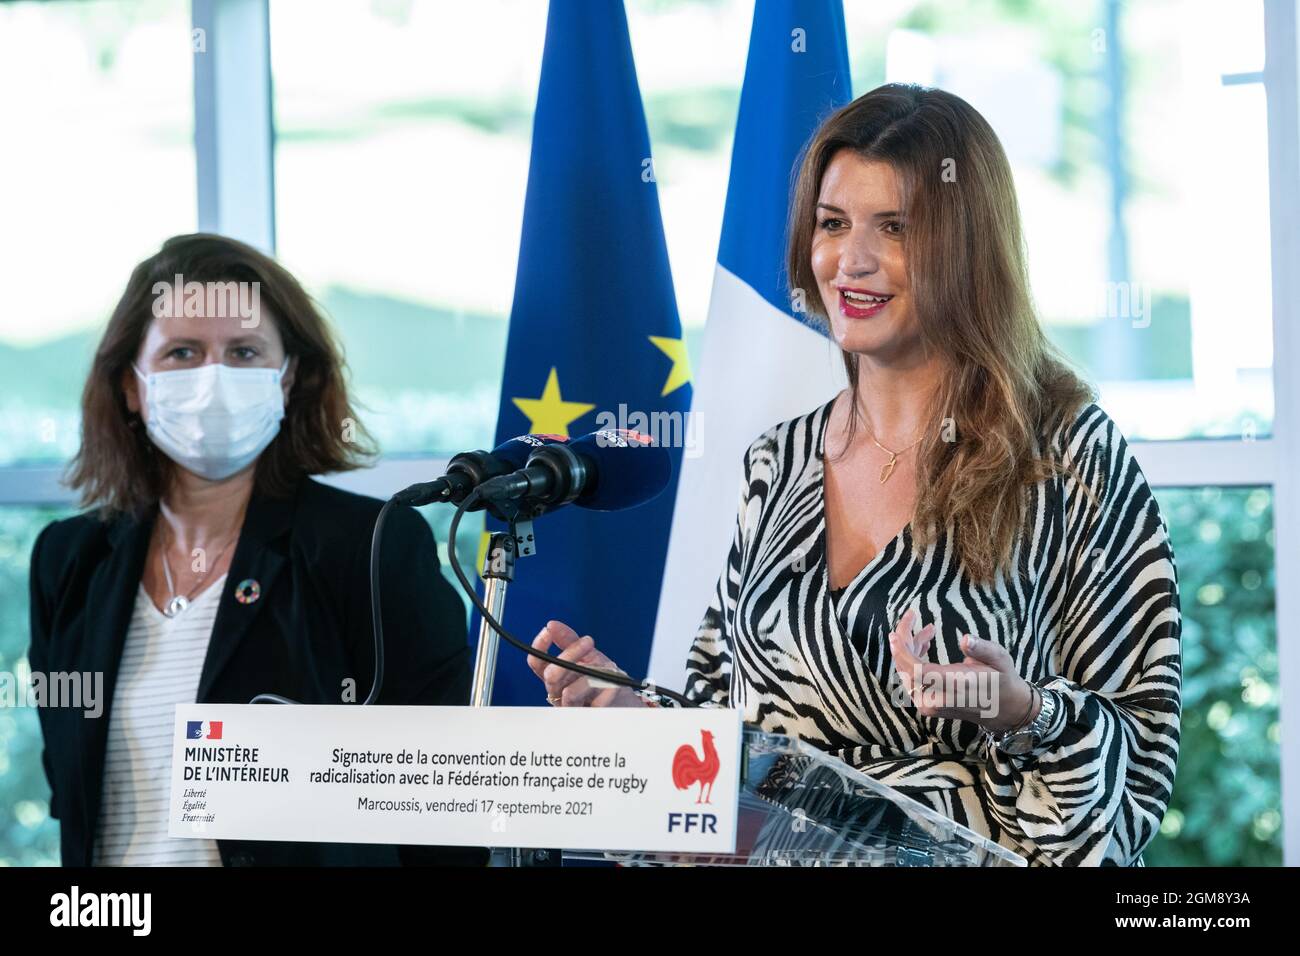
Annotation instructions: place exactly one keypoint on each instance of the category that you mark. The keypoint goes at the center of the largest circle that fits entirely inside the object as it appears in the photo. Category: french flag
(203, 729)
(761, 362)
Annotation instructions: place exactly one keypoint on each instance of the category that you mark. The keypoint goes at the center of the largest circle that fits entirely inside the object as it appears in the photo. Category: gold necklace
(887, 468)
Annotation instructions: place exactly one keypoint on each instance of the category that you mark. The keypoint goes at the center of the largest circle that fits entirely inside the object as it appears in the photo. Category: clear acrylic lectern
(802, 807)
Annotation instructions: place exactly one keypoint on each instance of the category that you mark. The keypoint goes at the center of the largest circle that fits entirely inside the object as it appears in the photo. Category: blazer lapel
(259, 557)
(110, 602)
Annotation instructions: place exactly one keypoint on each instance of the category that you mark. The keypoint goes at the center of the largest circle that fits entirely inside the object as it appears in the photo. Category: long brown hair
(118, 470)
(1008, 388)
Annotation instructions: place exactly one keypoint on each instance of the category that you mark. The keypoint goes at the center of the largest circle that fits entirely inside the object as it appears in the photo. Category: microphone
(465, 472)
(607, 470)
(470, 469)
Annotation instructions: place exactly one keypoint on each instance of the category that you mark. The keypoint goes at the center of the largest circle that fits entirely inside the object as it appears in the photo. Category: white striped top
(161, 664)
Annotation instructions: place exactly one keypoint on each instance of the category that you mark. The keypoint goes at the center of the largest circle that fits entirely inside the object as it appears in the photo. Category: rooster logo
(689, 769)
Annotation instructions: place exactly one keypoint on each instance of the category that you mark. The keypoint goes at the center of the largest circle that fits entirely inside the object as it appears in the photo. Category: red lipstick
(857, 303)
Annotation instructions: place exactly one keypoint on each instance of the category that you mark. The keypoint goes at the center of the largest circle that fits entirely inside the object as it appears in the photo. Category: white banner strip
(570, 778)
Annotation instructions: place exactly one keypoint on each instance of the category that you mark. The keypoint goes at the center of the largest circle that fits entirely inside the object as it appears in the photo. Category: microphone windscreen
(515, 451)
(630, 469)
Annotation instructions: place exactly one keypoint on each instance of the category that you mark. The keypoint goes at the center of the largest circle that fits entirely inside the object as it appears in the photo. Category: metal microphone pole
(498, 571)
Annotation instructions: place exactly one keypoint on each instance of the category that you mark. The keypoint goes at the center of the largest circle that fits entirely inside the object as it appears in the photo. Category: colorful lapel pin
(248, 591)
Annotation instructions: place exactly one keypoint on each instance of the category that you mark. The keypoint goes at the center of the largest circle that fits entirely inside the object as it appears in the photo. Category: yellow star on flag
(551, 414)
(680, 373)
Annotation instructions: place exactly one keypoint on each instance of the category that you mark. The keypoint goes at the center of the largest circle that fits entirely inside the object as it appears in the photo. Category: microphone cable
(611, 677)
(376, 614)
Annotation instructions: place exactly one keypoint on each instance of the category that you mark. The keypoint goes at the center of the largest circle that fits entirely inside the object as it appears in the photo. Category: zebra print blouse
(1093, 619)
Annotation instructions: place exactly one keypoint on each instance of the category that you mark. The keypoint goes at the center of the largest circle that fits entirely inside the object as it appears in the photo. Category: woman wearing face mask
(952, 576)
(211, 567)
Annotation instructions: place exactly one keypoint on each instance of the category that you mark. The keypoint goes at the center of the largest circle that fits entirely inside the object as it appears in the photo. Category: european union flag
(595, 340)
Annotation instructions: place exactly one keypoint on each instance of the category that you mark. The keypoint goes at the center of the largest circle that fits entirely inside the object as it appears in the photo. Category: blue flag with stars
(595, 340)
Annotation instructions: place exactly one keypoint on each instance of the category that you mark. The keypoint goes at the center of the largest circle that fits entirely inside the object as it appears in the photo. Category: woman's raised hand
(566, 688)
(984, 688)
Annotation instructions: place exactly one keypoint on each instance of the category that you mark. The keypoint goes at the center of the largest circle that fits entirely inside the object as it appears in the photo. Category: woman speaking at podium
(213, 568)
(961, 515)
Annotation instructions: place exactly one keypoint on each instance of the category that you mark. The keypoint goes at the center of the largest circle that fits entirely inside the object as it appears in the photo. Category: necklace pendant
(887, 469)
(176, 605)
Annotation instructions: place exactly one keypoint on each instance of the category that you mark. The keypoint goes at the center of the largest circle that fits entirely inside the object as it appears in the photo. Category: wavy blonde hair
(1009, 388)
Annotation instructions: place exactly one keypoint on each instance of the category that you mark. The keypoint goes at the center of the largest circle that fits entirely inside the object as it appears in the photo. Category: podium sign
(578, 778)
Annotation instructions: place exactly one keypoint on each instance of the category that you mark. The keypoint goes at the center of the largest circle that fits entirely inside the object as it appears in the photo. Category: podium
(802, 807)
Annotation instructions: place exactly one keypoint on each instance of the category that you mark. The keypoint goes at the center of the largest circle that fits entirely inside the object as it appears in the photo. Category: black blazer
(308, 633)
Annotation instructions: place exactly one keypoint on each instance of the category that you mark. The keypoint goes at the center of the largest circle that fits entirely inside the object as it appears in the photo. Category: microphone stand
(498, 571)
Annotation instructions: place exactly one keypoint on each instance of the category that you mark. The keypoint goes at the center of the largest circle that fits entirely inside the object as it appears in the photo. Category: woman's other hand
(984, 688)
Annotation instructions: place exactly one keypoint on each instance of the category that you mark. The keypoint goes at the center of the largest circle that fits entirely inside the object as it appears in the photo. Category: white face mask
(214, 420)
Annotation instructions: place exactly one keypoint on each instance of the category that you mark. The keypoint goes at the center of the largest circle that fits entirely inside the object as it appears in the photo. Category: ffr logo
(692, 823)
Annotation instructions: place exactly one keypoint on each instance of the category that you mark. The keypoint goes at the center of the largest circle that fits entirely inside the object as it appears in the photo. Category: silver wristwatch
(1024, 739)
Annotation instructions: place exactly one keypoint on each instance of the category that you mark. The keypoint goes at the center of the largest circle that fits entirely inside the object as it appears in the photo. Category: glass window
(400, 175)
(28, 835)
(416, 266)
(1147, 225)
(1227, 802)
(1160, 299)
(97, 170)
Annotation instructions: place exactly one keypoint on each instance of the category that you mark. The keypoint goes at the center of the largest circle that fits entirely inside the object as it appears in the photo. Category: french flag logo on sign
(202, 730)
